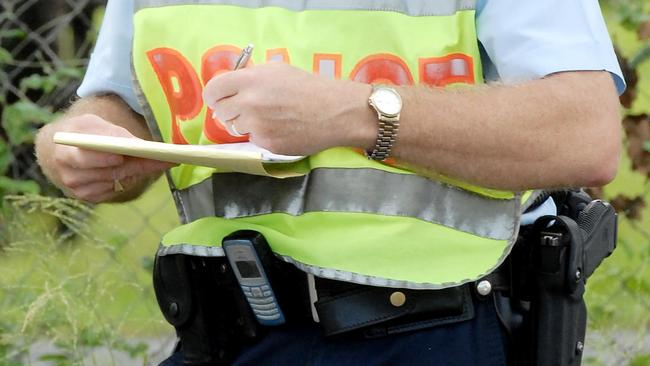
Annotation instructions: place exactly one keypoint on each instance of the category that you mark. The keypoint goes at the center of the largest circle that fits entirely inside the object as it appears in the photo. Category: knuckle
(119, 131)
(79, 193)
(74, 158)
(88, 197)
(262, 141)
(248, 100)
(70, 181)
(247, 75)
(267, 130)
(60, 157)
(82, 121)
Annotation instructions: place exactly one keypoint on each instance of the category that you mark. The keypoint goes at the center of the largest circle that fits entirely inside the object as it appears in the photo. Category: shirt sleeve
(109, 70)
(532, 39)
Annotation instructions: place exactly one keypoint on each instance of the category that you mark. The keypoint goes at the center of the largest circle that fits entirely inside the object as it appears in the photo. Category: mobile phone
(247, 251)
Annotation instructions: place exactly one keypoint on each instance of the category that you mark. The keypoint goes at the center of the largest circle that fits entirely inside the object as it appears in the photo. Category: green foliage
(21, 119)
(640, 360)
(629, 13)
(5, 56)
(70, 298)
(640, 57)
(646, 146)
(15, 186)
(49, 81)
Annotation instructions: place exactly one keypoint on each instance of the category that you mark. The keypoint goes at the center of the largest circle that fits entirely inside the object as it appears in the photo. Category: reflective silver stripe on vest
(409, 7)
(196, 201)
(333, 274)
(361, 279)
(357, 191)
(190, 249)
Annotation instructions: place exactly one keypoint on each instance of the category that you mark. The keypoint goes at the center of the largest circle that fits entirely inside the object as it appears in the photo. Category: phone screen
(248, 269)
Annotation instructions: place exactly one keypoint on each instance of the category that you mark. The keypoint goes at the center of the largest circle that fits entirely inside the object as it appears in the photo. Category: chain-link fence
(75, 283)
(75, 280)
(45, 45)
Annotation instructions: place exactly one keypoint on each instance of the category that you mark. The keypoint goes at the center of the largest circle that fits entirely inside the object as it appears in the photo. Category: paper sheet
(242, 157)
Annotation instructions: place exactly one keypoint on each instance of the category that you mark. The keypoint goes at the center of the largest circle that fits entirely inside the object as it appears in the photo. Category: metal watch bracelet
(385, 140)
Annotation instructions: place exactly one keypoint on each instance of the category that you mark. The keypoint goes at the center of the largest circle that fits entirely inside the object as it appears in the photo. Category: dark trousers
(479, 341)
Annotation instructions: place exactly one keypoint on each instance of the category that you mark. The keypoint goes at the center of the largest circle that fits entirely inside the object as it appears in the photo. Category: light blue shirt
(520, 40)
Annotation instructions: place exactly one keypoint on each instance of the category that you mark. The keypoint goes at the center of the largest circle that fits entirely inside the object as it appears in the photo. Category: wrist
(356, 121)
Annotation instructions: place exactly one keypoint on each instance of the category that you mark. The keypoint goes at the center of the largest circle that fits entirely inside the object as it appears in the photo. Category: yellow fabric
(396, 248)
(416, 254)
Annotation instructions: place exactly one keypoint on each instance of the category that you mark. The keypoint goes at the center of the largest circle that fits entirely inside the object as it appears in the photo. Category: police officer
(414, 186)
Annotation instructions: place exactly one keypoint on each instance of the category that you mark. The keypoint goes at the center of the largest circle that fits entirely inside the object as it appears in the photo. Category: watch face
(387, 101)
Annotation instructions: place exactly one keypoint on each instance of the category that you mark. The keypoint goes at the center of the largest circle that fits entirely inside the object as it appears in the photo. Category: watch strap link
(385, 138)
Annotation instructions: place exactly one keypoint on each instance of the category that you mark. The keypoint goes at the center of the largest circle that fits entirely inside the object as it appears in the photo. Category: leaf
(147, 263)
(632, 208)
(20, 119)
(13, 33)
(56, 357)
(646, 145)
(69, 72)
(637, 130)
(8, 185)
(644, 30)
(640, 360)
(5, 56)
(34, 82)
(641, 56)
(6, 157)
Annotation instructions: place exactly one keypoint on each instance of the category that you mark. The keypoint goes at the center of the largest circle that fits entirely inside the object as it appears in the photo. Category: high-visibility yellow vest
(344, 217)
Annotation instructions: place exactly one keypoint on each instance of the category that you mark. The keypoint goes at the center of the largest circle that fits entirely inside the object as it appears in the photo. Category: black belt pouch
(380, 311)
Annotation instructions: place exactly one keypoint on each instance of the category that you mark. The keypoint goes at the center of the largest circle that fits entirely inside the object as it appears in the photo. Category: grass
(90, 288)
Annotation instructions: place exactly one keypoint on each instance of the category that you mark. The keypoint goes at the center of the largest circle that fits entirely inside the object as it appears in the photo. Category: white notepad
(242, 157)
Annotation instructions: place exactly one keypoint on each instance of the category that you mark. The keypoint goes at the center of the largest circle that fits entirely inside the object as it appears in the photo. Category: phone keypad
(261, 301)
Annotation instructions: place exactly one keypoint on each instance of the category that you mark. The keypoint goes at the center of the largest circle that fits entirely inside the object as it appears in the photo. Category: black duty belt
(343, 307)
(201, 298)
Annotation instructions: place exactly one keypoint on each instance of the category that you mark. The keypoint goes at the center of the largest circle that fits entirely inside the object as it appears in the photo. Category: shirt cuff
(542, 61)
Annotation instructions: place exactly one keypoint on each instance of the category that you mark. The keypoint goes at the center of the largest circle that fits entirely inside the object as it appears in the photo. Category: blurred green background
(75, 283)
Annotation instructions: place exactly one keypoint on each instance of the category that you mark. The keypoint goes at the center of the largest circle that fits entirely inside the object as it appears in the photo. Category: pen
(244, 57)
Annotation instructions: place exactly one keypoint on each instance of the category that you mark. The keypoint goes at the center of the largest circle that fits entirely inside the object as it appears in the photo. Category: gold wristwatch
(388, 105)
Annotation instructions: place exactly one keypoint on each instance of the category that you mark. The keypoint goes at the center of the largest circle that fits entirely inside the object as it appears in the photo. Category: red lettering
(382, 68)
(181, 87)
(278, 54)
(215, 61)
(440, 71)
(327, 65)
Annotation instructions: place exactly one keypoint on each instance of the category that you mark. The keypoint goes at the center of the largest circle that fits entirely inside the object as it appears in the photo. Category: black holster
(554, 261)
(200, 297)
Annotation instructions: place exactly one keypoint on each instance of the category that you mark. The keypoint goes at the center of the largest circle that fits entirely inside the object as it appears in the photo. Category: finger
(95, 125)
(226, 109)
(139, 166)
(85, 159)
(234, 130)
(74, 178)
(223, 85)
(94, 192)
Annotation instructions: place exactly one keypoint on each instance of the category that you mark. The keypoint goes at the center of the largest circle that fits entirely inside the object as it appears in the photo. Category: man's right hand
(91, 175)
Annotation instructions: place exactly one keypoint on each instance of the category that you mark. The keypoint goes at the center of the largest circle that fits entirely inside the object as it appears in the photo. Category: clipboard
(244, 157)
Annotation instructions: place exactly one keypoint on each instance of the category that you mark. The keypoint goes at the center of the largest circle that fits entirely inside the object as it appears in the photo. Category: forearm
(556, 132)
(109, 107)
(563, 130)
